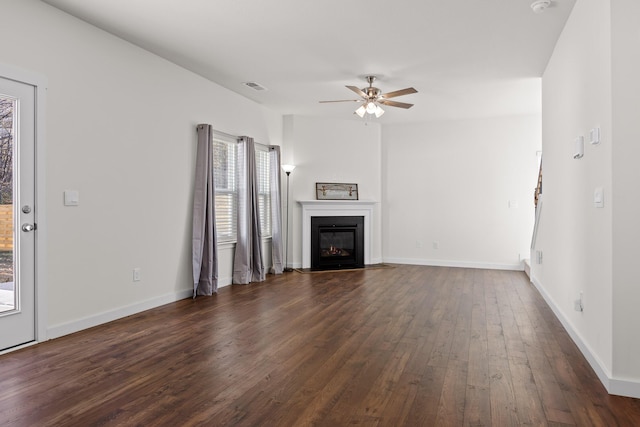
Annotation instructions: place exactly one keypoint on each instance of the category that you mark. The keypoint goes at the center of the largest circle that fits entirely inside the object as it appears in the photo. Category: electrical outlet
(578, 305)
(436, 245)
(136, 274)
(539, 257)
(418, 244)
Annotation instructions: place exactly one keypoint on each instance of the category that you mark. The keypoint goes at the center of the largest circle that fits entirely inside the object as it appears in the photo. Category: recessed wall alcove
(338, 208)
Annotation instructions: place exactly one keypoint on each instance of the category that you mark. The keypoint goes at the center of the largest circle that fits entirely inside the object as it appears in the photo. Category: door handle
(29, 227)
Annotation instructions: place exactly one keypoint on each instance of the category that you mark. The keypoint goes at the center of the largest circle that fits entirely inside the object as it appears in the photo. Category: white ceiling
(466, 58)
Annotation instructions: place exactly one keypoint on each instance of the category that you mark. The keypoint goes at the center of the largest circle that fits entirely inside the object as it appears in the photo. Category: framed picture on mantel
(336, 191)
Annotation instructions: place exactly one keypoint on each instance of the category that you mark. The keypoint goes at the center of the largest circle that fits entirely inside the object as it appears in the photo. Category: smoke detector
(539, 6)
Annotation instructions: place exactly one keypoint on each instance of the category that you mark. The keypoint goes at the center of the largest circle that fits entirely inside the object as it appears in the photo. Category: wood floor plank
(477, 402)
(446, 326)
(501, 387)
(401, 346)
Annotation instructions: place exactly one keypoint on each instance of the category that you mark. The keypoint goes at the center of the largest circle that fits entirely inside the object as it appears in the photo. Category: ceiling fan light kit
(372, 97)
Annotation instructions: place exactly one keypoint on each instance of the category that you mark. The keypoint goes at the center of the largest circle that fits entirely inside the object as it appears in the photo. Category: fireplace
(336, 208)
(337, 242)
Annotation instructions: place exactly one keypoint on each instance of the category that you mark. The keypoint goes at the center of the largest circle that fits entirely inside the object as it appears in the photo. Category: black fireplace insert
(337, 242)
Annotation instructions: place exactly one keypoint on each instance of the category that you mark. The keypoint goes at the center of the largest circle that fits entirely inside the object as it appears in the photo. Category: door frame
(40, 83)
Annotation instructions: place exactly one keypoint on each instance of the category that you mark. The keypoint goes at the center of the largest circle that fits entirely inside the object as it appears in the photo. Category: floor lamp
(287, 169)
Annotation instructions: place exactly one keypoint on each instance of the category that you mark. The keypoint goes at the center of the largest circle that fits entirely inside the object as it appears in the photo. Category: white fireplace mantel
(311, 208)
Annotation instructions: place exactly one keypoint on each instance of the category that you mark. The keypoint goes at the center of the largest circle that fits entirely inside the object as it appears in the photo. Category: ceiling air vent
(254, 86)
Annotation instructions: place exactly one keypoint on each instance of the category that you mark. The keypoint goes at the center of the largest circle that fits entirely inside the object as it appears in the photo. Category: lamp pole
(287, 169)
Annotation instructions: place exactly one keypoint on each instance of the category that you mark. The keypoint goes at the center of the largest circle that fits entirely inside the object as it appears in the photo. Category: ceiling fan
(371, 98)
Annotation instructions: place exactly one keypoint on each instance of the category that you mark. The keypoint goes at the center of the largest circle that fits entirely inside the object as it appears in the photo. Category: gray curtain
(276, 210)
(204, 249)
(248, 265)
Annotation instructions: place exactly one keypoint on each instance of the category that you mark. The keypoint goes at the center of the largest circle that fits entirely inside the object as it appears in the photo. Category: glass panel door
(17, 213)
(7, 131)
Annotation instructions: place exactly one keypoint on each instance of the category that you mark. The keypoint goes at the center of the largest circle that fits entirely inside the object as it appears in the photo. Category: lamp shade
(371, 107)
(288, 168)
(361, 111)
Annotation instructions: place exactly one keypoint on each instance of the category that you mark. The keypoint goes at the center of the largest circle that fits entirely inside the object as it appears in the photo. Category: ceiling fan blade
(400, 92)
(358, 91)
(394, 103)
(342, 100)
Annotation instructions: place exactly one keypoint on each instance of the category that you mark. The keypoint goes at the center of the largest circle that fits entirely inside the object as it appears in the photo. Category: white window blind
(264, 188)
(226, 197)
(225, 155)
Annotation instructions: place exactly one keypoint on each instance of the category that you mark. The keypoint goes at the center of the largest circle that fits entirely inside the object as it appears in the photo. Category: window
(263, 173)
(226, 198)
(225, 156)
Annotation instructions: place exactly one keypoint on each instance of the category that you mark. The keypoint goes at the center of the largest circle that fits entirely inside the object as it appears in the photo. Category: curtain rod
(217, 132)
(225, 135)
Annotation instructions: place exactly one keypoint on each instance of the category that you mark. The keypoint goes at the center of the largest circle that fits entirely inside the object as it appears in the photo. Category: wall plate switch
(71, 198)
(594, 136)
(598, 197)
(578, 150)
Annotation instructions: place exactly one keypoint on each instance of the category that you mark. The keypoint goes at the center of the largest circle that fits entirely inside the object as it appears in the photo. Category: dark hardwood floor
(402, 346)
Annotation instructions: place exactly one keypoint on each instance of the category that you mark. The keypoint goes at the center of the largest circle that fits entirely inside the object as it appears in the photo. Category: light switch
(578, 151)
(594, 136)
(71, 198)
(598, 197)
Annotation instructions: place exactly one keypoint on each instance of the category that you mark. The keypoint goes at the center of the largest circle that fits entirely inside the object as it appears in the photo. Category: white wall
(626, 180)
(591, 80)
(451, 182)
(121, 130)
(574, 236)
(326, 150)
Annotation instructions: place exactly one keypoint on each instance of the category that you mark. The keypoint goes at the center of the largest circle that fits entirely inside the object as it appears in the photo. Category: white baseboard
(62, 329)
(613, 385)
(224, 281)
(624, 388)
(460, 264)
